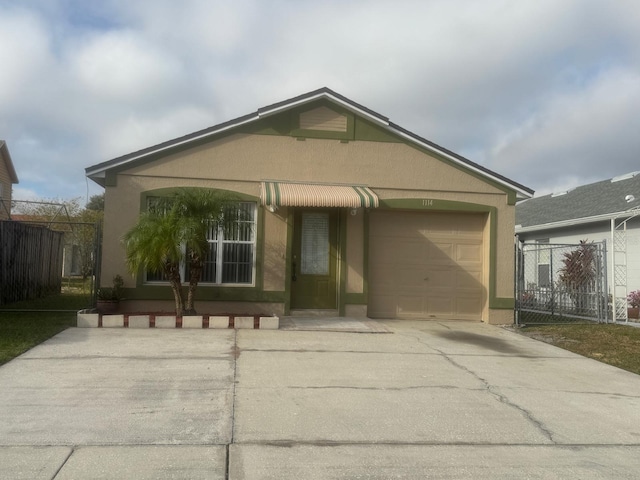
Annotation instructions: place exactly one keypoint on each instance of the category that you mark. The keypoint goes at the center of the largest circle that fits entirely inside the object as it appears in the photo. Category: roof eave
(579, 221)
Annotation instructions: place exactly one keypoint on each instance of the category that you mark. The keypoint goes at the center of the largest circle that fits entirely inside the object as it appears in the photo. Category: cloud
(543, 92)
(24, 55)
(19, 193)
(121, 66)
(580, 136)
(137, 132)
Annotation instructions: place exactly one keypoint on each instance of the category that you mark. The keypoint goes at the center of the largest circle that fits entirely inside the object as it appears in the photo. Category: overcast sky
(546, 93)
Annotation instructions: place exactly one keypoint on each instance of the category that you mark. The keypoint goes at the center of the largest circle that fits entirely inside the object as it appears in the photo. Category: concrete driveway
(427, 400)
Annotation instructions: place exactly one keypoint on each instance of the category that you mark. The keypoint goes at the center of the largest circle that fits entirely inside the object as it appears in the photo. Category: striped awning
(286, 194)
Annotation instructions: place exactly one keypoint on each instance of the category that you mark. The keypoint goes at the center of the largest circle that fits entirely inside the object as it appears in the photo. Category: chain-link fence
(48, 265)
(561, 283)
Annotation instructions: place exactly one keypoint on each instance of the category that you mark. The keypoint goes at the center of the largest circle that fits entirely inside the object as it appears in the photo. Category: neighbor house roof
(6, 158)
(612, 198)
(98, 172)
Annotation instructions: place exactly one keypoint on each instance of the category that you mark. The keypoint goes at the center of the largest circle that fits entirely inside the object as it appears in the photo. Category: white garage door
(426, 265)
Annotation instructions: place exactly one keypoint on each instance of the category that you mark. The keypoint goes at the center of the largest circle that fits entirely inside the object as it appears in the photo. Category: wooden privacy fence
(30, 261)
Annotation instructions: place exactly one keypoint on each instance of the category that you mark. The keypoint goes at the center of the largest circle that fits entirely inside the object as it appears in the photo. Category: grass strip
(617, 345)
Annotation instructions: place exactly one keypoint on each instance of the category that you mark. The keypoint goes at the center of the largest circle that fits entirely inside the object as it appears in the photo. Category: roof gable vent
(323, 118)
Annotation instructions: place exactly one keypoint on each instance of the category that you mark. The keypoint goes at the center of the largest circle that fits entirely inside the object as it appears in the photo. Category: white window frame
(544, 258)
(221, 241)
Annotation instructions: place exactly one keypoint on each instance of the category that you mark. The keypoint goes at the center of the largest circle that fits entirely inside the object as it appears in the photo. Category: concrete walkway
(427, 400)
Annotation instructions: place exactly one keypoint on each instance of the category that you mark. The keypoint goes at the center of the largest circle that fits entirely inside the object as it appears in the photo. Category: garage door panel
(385, 275)
(441, 278)
(399, 251)
(469, 253)
(439, 306)
(468, 307)
(408, 250)
(441, 253)
(472, 226)
(441, 225)
(410, 304)
(385, 306)
(411, 277)
(425, 265)
(468, 280)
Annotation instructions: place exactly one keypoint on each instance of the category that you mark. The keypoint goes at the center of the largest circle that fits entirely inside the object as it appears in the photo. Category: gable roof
(586, 204)
(98, 172)
(6, 158)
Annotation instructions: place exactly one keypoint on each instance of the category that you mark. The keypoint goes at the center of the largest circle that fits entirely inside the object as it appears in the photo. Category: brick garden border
(136, 320)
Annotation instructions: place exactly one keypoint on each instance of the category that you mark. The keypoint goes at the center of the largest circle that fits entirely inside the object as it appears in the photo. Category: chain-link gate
(560, 283)
(48, 265)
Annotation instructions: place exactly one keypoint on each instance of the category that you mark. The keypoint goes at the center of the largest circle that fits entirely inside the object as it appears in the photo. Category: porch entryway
(314, 265)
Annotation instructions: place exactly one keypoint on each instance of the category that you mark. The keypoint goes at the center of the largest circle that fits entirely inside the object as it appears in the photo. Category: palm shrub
(154, 244)
(173, 231)
(200, 211)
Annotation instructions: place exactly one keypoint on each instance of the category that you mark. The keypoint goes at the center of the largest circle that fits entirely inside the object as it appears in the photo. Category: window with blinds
(314, 254)
(232, 249)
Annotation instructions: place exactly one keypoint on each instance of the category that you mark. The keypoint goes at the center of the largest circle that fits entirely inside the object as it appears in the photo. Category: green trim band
(354, 299)
(501, 303)
(205, 293)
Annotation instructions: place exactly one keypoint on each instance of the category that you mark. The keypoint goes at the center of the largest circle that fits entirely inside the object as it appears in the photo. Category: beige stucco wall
(239, 162)
(275, 250)
(254, 158)
(355, 252)
(500, 317)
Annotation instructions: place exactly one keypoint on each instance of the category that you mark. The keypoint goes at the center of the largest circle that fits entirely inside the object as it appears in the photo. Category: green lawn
(65, 301)
(617, 345)
(20, 331)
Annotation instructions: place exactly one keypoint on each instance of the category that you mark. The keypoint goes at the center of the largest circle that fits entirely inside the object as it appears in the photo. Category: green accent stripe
(266, 200)
(500, 303)
(373, 200)
(363, 200)
(276, 188)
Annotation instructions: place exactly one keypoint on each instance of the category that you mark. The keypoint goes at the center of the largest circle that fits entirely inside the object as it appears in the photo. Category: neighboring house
(346, 213)
(608, 210)
(8, 177)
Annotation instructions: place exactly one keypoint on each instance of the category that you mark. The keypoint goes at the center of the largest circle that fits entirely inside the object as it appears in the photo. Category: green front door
(314, 260)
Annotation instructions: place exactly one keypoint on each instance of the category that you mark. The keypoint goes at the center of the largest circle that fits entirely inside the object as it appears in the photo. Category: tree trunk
(172, 271)
(195, 273)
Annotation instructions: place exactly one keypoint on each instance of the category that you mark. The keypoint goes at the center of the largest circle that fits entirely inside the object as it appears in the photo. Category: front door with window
(314, 260)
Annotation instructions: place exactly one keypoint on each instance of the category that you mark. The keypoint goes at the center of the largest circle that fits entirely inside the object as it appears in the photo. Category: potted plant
(634, 304)
(109, 297)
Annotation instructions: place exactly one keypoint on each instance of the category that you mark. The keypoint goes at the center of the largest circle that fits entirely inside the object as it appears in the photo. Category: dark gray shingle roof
(600, 198)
